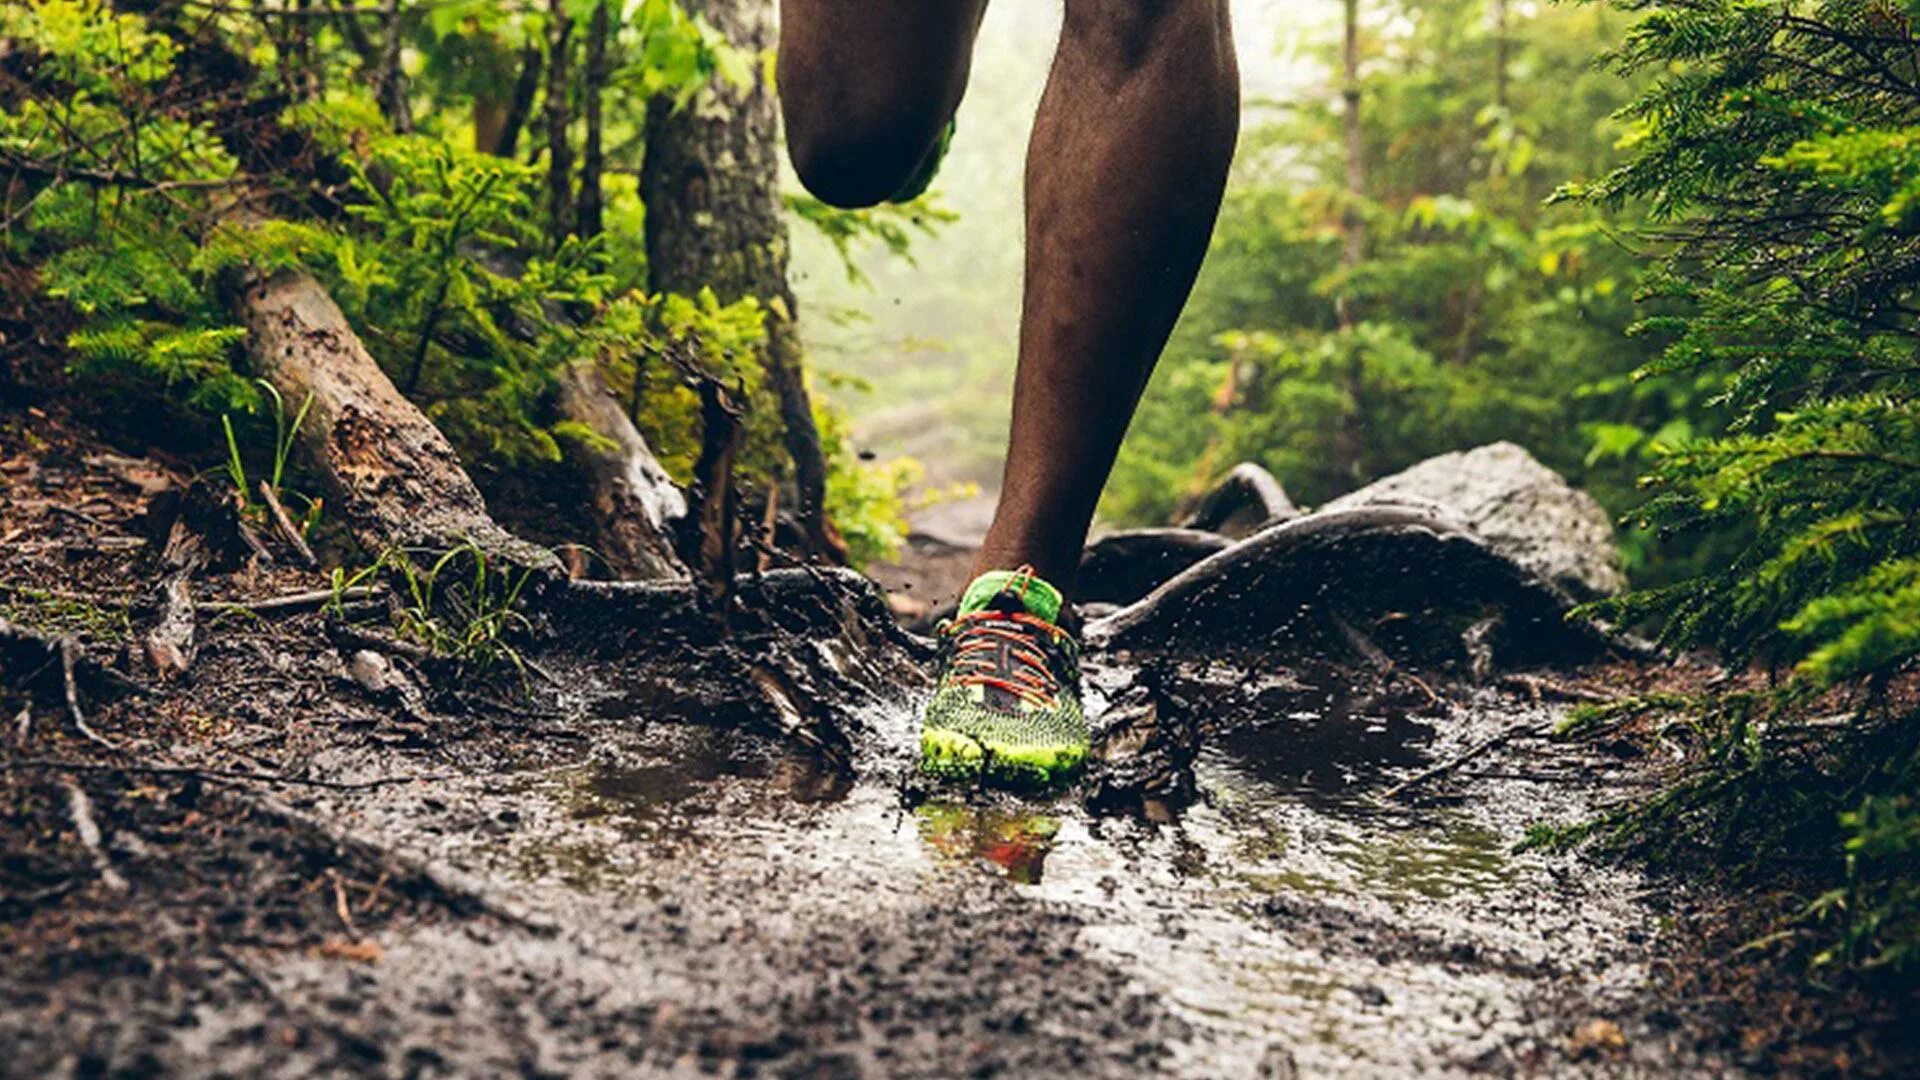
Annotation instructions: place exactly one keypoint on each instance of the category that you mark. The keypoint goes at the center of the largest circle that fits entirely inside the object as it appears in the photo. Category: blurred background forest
(1669, 246)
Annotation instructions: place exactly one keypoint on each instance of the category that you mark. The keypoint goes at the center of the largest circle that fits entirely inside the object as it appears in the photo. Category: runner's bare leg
(1125, 171)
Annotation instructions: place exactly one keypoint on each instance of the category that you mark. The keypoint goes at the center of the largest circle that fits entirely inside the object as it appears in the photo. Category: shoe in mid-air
(1007, 706)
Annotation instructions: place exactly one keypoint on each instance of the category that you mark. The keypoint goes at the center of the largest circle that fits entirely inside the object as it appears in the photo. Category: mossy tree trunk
(715, 218)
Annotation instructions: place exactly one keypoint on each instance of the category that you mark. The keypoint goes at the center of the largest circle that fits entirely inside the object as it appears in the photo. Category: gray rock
(1519, 507)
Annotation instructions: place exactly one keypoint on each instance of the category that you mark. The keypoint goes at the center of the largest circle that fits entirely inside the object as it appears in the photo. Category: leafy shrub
(1775, 148)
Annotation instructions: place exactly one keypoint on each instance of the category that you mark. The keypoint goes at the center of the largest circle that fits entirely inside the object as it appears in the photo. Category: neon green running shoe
(1007, 707)
(922, 178)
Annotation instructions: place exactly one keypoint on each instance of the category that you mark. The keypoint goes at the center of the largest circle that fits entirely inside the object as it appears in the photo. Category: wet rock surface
(1519, 507)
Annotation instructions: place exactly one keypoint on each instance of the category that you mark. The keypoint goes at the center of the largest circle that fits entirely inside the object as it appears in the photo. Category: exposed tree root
(1244, 501)
(1413, 568)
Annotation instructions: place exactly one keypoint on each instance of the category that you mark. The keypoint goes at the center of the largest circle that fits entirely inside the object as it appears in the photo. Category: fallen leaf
(1597, 1038)
(365, 952)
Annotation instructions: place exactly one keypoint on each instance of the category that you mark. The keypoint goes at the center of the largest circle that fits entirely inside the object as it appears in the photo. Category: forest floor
(312, 854)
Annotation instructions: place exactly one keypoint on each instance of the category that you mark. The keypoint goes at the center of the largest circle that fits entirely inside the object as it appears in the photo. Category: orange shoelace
(980, 638)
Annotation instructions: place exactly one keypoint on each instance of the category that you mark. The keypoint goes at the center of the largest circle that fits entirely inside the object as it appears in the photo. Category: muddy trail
(665, 840)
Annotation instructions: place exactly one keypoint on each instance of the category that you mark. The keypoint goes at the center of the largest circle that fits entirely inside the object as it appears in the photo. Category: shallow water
(1287, 915)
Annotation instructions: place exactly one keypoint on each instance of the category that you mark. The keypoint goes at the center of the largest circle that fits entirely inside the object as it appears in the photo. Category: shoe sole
(949, 755)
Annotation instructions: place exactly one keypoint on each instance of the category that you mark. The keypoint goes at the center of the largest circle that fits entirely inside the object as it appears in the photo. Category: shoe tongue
(1010, 591)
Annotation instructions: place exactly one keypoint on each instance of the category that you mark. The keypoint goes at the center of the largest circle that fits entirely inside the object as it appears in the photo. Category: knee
(852, 162)
(1128, 34)
(857, 139)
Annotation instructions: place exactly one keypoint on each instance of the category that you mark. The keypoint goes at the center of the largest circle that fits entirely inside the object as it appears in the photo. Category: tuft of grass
(462, 606)
(285, 431)
(57, 614)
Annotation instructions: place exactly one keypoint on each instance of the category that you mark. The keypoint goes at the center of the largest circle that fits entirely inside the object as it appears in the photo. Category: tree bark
(633, 499)
(559, 150)
(592, 159)
(391, 474)
(1503, 45)
(715, 219)
(503, 140)
(392, 77)
(1354, 249)
(1348, 437)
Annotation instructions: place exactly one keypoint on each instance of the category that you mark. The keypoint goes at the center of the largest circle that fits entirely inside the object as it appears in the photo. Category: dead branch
(69, 656)
(713, 482)
(80, 809)
(285, 527)
(293, 603)
(1492, 742)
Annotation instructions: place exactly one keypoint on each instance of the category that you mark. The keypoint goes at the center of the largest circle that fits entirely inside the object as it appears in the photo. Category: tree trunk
(390, 474)
(393, 78)
(633, 499)
(1354, 249)
(711, 184)
(592, 160)
(502, 140)
(559, 150)
(1348, 438)
(1503, 45)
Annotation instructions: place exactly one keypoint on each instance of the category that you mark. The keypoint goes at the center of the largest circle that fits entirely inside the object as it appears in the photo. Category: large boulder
(1519, 507)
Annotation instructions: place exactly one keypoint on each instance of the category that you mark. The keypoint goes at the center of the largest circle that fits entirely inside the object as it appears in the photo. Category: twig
(285, 526)
(340, 906)
(1464, 756)
(79, 515)
(1537, 688)
(218, 774)
(312, 599)
(80, 809)
(69, 654)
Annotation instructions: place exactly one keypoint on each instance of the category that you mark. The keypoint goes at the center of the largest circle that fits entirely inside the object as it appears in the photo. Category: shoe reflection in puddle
(1017, 843)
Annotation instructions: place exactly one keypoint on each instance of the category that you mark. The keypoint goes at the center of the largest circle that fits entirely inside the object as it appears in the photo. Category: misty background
(921, 355)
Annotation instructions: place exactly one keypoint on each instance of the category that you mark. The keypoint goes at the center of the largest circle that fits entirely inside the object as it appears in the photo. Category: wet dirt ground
(293, 874)
(695, 896)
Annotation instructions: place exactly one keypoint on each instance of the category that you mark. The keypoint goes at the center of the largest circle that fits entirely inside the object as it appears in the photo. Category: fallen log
(395, 478)
(1286, 591)
(634, 502)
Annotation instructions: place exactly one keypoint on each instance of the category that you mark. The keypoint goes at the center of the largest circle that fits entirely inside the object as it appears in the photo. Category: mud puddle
(1288, 919)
